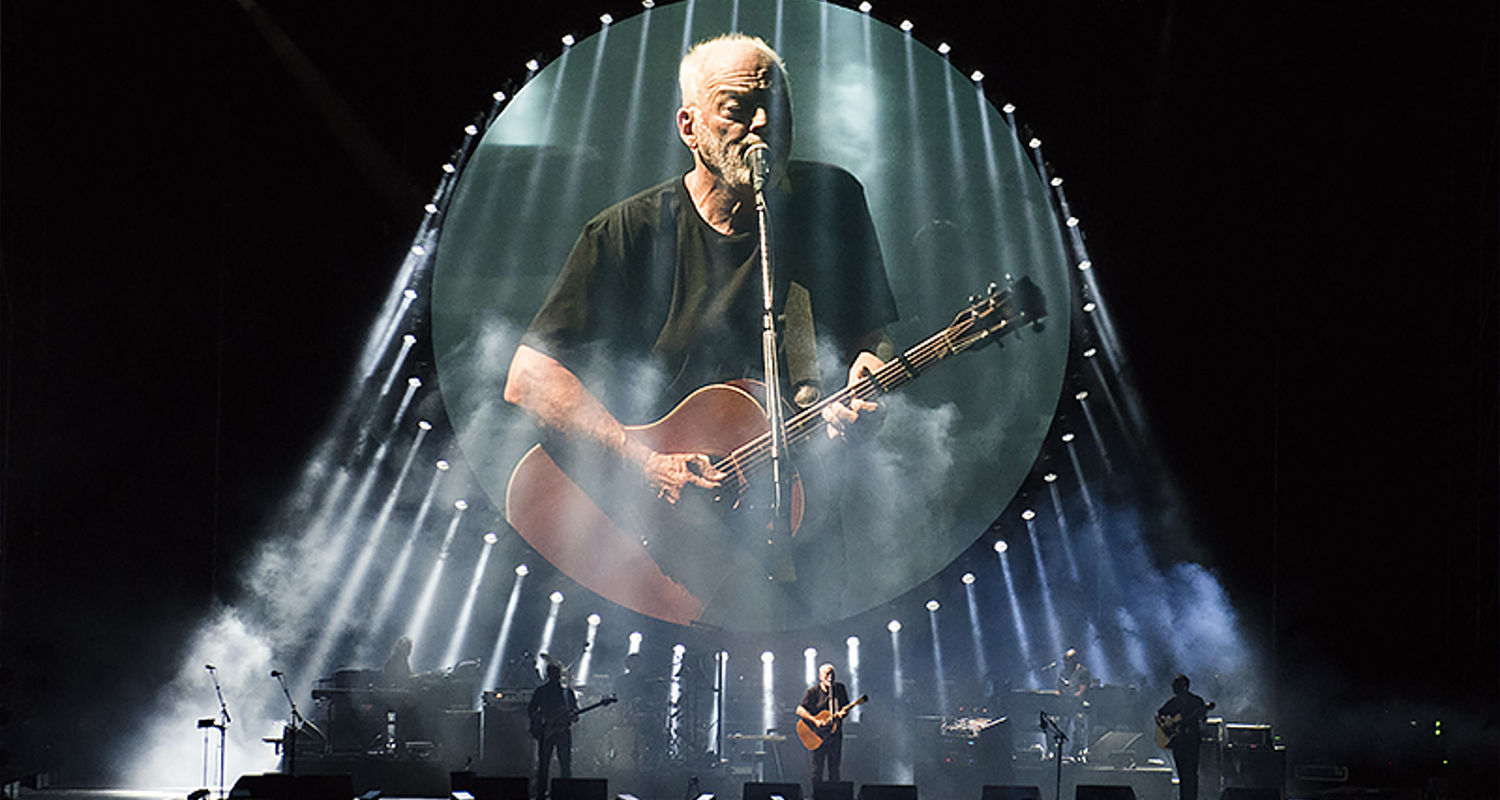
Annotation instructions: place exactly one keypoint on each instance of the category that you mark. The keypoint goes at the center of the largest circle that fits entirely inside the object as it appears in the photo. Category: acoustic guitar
(599, 522)
(1168, 728)
(828, 724)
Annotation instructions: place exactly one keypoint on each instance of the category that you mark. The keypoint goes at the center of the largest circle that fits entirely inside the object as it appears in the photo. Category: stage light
(471, 129)
(894, 626)
(568, 40)
(1028, 515)
(606, 20)
(491, 537)
(533, 65)
(933, 605)
(522, 570)
(976, 76)
(944, 49)
(1068, 437)
(767, 657)
(1081, 396)
(1056, 182)
(1034, 143)
(1072, 222)
(906, 26)
(1089, 306)
(1009, 108)
(461, 504)
(430, 208)
(443, 465)
(1091, 352)
(1050, 477)
(1001, 546)
(865, 7)
(968, 579)
(410, 294)
(424, 425)
(499, 97)
(1084, 265)
(413, 381)
(810, 665)
(409, 339)
(635, 643)
(418, 250)
(648, 3)
(594, 620)
(555, 597)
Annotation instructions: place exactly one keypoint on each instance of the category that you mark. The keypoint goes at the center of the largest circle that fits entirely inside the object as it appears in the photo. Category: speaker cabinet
(278, 786)
(580, 789)
(1010, 793)
(488, 787)
(833, 790)
(887, 791)
(766, 791)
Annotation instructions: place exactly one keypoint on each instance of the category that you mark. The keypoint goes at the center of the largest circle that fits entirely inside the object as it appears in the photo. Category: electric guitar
(545, 724)
(598, 521)
(1167, 728)
(828, 723)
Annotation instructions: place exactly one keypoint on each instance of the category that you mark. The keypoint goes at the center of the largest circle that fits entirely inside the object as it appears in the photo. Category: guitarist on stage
(831, 696)
(1181, 718)
(553, 708)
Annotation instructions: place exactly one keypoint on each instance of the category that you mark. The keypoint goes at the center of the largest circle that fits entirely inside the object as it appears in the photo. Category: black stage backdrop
(1291, 206)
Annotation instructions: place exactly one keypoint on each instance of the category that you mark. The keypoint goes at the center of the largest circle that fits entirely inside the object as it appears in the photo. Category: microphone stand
(222, 723)
(757, 156)
(289, 739)
(1058, 737)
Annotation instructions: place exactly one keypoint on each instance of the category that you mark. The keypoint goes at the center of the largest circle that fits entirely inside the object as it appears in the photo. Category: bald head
(711, 55)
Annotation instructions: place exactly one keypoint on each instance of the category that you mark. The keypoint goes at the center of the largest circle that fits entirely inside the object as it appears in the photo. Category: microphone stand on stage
(757, 158)
(221, 723)
(289, 737)
(1058, 737)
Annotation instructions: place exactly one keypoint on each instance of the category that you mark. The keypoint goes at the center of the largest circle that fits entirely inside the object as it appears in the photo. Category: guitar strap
(799, 344)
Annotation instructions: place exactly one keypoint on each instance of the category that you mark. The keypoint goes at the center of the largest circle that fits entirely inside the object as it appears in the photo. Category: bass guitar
(598, 521)
(828, 724)
(544, 725)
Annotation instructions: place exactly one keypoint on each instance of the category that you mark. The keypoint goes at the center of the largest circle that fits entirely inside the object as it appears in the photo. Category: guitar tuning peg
(993, 289)
(973, 299)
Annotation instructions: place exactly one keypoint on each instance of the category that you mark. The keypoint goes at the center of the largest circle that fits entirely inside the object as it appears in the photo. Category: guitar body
(1166, 730)
(811, 736)
(601, 524)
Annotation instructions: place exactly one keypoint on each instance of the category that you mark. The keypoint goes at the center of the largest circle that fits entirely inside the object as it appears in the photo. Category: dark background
(1291, 208)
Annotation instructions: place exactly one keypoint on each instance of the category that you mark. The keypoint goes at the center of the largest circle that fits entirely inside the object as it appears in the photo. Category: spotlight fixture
(1028, 515)
(1081, 396)
(555, 597)
(413, 381)
(1056, 182)
(499, 97)
(1001, 546)
(595, 619)
(423, 424)
(533, 65)
(968, 579)
(568, 40)
(471, 129)
(418, 250)
(461, 504)
(443, 465)
(1050, 477)
(1084, 265)
(767, 657)
(648, 3)
(1089, 306)
(491, 537)
(865, 7)
(893, 626)
(1067, 437)
(811, 652)
(430, 208)
(933, 605)
(1072, 222)
(944, 49)
(409, 294)
(906, 26)
(1091, 352)
(449, 168)
(1034, 143)
(1009, 108)
(976, 76)
(852, 641)
(522, 570)
(606, 20)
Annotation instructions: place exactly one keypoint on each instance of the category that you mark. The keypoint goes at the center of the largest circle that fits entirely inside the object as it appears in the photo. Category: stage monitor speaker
(887, 791)
(1251, 793)
(1087, 791)
(278, 786)
(580, 789)
(833, 790)
(766, 791)
(1010, 793)
(488, 787)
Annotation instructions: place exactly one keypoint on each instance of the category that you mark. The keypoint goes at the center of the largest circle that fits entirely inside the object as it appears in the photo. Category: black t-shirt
(653, 303)
(815, 699)
(1192, 709)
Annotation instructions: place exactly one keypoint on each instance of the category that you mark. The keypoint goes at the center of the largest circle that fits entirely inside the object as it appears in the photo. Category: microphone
(758, 159)
(209, 667)
(276, 673)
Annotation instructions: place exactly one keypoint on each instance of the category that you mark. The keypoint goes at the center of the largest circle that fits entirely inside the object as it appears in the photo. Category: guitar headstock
(997, 313)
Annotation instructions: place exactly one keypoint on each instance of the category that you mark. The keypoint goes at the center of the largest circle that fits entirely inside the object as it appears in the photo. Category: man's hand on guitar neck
(840, 416)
